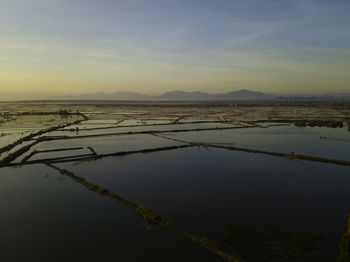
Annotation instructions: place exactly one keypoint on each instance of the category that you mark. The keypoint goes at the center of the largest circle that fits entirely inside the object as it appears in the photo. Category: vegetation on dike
(150, 216)
(319, 123)
(344, 255)
(39, 133)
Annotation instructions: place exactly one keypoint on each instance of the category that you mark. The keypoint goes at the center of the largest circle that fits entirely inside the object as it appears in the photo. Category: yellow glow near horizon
(64, 48)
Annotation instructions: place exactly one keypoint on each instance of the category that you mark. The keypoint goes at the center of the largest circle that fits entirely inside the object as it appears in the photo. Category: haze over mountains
(198, 95)
(173, 95)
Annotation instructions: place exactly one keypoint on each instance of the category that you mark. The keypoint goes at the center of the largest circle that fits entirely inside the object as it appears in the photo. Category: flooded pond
(157, 190)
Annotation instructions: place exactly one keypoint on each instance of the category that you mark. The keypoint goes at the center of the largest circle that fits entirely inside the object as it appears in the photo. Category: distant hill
(234, 95)
(247, 95)
(174, 95)
(179, 95)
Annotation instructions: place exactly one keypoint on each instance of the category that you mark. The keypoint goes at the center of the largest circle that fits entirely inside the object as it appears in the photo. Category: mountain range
(173, 95)
(178, 95)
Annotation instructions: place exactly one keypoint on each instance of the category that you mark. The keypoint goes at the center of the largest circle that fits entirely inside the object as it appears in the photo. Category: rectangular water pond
(174, 204)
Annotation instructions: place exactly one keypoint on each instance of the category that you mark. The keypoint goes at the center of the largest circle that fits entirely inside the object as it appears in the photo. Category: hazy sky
(50, 47)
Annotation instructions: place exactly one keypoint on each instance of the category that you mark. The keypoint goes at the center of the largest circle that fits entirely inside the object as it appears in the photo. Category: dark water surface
(203, 192)
(54, 219)
(48, 217)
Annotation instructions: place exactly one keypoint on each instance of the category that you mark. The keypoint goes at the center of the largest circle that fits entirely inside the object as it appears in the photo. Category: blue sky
(52, 47)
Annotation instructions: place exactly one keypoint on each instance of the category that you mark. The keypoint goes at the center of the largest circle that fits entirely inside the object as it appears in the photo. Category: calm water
(54, 219)
(48, 217)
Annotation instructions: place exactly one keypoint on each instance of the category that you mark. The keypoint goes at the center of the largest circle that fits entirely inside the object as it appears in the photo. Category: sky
(67, 47)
